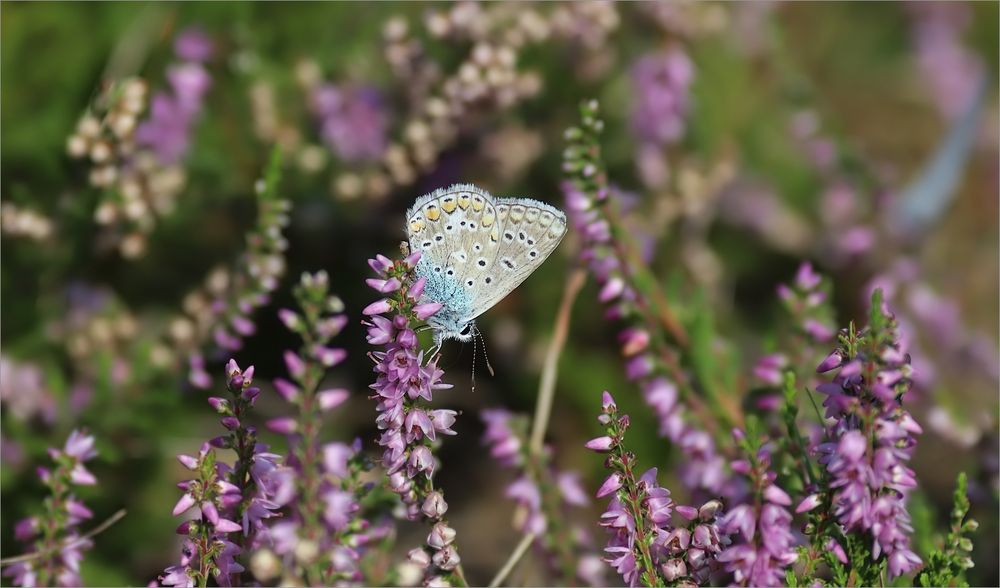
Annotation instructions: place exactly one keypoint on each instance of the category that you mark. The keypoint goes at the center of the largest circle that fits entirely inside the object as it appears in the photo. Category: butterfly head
(446, 327)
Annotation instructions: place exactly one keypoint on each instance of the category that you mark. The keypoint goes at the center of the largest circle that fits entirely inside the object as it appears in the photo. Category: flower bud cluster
(54, 535)
(18, 221)
(409, 428)
(587, 196)
(645, 546)
(872, 437)
(221, 311)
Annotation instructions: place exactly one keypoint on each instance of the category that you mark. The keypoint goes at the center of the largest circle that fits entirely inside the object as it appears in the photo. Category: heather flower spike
(403, 390)
(54, 534)
(586, 204)
(644, 546)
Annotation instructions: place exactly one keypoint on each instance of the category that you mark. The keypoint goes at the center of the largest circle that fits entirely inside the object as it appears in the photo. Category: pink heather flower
(869, 475)
(328, 356)
(384, 286)
(377, 307)
(353, 121)
(193, 44)
(600, 444)
(294, 364)
(80, 446)
(427, 310)
(661, 93)
(809, 503)
(330, 399)
(505, 446)
(611, 485)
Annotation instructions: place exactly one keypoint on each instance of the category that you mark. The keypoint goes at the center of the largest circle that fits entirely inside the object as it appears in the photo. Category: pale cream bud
(76, 146)
(347, 186)
(89, 127)
(133, 245)
(100, 152)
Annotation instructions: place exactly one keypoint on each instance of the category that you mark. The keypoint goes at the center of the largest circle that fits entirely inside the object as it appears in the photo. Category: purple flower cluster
(763, 523)
(661, 88)
(951, 69)
(403, 389)
(353, 121)
(230, 503)
(324, 538)
(661, 99)
(704, 468)
(806, 300)
(54, 534)
(644, 546)
(167, 132)
(872, 439)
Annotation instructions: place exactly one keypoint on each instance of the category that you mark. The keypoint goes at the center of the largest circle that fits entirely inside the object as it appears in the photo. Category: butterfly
(475, 250)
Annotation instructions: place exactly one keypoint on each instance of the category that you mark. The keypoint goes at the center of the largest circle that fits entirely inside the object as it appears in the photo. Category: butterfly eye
(465, 331)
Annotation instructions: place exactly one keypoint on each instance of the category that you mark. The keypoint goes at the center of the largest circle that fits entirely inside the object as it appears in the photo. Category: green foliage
(946, 565)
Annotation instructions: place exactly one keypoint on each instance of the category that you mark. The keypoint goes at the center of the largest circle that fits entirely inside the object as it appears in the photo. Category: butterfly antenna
(485, 356)
(473, 363)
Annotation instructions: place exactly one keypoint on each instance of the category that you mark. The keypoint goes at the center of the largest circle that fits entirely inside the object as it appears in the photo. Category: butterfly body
(476, 249)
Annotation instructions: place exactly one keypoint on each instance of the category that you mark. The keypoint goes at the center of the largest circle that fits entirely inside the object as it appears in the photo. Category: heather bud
(419, 557)
(447, 558)
(673, 569)
(440, 536)
(434, 506)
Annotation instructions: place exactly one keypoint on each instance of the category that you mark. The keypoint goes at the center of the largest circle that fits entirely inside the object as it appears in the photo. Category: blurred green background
(855, 67)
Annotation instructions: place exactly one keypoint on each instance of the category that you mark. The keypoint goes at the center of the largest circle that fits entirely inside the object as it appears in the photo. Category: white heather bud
(468, 73)
(308, 73)
(103, 176)
(419, 557)
(76, 146)
(161, 356)
(482, 54)
(395, 29)
(89, 127)
(306, 551)
(434, 506)
(135, 89)
(506, 56)
(436, 107)
(100, 152)
(312, 158)
(447, 558)
(265, 565)
(437, 582)
(133, 245)
(417, 131)
(409, 574)
(347, 186)
(437, 24)
(135, 208)
(123, 124)
(106, 213)
(440, 536)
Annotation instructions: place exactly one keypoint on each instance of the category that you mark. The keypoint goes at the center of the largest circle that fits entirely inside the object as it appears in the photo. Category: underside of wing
(457, 230)
(529, 231)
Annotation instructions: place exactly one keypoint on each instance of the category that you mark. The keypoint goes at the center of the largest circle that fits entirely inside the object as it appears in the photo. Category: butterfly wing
(457, 230)
(528, 232)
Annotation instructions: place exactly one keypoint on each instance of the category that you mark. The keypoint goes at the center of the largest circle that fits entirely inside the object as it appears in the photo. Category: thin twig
(546, 393)
(69, 544)
(515, 557)
(547, 387)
